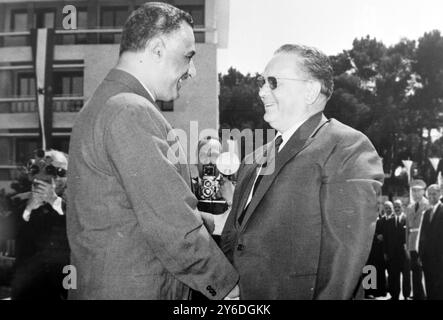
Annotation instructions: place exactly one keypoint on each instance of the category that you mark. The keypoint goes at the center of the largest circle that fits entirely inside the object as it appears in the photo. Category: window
(197, 12)
(44, 18)
(25, 147)
(60, 143)
(25, 88)
(6, 154)
(165, 105)
(68, 83)
(198, 15)
(19, 20)
(82, 24)
(25, 84)
(112, 17)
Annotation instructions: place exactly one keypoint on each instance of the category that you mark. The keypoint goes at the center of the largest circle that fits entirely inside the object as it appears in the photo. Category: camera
(210, 183)
(213, 170)
(40, 167)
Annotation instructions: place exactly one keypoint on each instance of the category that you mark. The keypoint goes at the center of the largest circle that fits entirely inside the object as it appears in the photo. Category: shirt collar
(289, 133)
(435, 206)
(146, 88)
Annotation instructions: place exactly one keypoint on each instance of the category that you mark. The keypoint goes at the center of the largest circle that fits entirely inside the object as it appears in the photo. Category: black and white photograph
(221, 150)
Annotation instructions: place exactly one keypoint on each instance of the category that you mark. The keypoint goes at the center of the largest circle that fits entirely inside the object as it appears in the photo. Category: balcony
(81, 36)
(28, 104)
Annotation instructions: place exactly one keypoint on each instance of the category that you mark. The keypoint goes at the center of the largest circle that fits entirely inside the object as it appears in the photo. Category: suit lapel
(244, 190)
(299, 141)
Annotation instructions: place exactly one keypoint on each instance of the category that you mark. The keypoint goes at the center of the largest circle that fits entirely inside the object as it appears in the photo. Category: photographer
(213, 189)
(42, 245)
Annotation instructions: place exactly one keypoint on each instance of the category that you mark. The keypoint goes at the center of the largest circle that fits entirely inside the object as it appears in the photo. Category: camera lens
(61, 172)
(34, 169)
(207, 192)
(50, 169)
(40, 153)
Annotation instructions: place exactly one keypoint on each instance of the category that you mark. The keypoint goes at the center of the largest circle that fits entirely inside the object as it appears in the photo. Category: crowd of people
(408, 243)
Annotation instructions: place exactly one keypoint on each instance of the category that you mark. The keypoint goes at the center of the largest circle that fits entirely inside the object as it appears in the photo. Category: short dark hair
(150, 20)
(315, 63)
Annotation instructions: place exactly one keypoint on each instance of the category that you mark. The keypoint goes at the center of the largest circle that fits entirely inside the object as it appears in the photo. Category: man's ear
(312, 92)
(156, 47)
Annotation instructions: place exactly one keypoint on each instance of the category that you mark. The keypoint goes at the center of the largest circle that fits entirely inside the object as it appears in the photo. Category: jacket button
(240, 247)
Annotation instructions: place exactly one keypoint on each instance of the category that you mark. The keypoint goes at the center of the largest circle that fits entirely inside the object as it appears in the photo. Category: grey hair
(433, 186)
(57, 155)
(315, 63)
(150, 20)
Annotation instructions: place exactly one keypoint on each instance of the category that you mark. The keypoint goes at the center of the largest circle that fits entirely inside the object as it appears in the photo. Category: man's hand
(208, 220)
(234, 294)
(44, 191)
(227, 190)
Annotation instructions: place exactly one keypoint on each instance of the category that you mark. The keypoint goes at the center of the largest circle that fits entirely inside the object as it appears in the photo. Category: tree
(240, 105)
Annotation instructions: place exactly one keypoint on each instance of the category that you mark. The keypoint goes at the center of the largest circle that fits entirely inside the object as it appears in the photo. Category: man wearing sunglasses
(301, 226)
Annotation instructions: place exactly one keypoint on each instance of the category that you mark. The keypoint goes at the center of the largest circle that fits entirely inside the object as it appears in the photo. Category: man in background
(414, 213)
(42, 245)
(431, 244)
(394, 244)
(405, 269)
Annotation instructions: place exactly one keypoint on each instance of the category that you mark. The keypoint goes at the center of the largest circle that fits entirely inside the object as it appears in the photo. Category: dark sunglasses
(272, 81)
(49, 169)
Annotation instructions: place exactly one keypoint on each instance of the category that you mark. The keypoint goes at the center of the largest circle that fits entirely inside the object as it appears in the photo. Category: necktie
(278, 141)
(416, 206)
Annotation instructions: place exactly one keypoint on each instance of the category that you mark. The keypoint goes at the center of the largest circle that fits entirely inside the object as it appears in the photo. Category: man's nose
(192, 71)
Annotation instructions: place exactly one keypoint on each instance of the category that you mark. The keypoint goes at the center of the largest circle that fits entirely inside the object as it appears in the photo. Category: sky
(258, 27)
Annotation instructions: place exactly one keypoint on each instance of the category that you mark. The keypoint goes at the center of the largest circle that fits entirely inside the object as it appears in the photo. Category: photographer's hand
(45, 191)
(208, 220)
(227, 190)
(234, 294)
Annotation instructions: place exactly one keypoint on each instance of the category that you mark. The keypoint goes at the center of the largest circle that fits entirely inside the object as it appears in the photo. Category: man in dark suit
(302, 227)
(394, 247)
(133, 226)
(42, 244)
(414, 215)
(376, 256)
(431, 245)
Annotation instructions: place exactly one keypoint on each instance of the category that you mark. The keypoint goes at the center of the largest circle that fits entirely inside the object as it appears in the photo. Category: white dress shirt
(286, 135)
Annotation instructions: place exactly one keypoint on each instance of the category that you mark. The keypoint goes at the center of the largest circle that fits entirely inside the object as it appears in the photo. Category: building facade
(80, 59)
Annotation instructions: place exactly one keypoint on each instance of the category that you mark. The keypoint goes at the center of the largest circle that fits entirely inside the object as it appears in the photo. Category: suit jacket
(308, 229)
(431, 240)
(413, 222)
(394, 239)
(44, 234)
(133, 226)
(376, 255)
